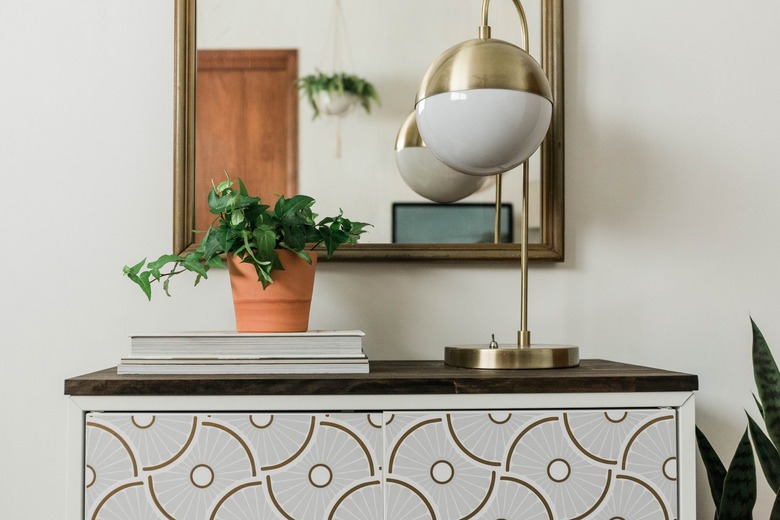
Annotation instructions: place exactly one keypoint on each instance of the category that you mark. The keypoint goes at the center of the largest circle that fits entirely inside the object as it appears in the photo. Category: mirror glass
(349, 162)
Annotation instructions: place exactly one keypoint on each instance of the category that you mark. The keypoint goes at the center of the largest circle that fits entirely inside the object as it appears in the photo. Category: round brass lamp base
(534, 357)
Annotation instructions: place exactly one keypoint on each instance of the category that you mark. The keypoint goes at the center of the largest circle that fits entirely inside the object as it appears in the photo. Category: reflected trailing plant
(252, 231)
(734, 489)
(338, 83)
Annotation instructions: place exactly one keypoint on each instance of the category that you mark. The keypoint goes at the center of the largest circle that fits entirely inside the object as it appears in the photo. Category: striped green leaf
(767, 454)
(767, 379)
(739, 487)
(716, 471)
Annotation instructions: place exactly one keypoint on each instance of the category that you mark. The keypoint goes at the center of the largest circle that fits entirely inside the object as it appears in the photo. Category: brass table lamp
(483, 108)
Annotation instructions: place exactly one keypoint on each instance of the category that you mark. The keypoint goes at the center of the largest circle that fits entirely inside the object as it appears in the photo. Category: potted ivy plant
(335, 94)
(269, 251)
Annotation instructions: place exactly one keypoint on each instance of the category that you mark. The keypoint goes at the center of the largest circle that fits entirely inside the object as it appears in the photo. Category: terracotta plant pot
(284, 305)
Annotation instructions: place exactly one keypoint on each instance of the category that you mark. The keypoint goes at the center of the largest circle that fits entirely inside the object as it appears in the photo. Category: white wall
(671, 214)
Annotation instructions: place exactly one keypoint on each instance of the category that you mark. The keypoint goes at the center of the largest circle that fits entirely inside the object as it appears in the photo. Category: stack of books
(312, 352)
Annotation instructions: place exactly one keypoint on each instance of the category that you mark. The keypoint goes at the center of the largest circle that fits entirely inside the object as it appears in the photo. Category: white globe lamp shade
(484, 107)
(425, 174)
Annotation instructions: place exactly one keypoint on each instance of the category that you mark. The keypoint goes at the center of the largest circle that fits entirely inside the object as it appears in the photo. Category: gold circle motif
(93, 478)
(195, 478)
(316, 479)
(144, 424)
(671, 461)
(616, 421)
(493, 419)
(261, 426)
(448, 468)
(557, 464)
(371, 418)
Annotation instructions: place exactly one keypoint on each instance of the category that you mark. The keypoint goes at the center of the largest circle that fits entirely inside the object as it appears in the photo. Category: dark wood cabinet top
(395, 377)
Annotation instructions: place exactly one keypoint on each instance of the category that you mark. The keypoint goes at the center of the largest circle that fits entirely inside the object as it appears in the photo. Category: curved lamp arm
(484, 29)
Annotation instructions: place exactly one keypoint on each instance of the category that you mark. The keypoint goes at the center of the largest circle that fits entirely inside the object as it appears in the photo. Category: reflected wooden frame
(550, 248)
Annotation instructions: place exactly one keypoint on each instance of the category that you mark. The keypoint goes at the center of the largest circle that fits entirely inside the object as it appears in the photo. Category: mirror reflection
(249, 54)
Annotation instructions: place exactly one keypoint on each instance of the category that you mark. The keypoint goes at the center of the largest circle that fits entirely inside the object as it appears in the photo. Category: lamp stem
(524, 335)
(484, 29)
(497, 219)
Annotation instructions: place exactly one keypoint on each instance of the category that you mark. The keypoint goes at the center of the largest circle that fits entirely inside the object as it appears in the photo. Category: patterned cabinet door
(233, 466)
(520, 465)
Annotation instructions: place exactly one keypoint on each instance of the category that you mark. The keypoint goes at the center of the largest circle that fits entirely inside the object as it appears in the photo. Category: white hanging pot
(336, 103)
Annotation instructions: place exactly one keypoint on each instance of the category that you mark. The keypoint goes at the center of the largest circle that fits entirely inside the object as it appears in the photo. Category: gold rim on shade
(484, 64)
(409, 135)
(535, 357)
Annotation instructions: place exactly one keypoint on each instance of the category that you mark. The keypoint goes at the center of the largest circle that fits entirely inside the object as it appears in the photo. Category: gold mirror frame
(552, 159)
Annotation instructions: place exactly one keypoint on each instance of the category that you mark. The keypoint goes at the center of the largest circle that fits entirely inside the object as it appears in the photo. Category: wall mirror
(391, 44)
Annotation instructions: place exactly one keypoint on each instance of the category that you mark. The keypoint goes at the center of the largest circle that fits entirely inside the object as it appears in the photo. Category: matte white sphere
(483, 131)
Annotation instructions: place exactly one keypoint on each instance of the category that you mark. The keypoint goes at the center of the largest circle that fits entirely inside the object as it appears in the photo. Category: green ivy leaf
(224, 185)
(253, 232)
(142, 280)
(216, 261)
(134, 270)
(236, 218)
(294, 210)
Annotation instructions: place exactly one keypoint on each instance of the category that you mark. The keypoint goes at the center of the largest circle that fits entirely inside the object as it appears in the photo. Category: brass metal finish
(184, 125)
(497, 218)
(486, 63)
(550, 248)
(535, 357)
(409, 135)
(477, 63)
(473, 65)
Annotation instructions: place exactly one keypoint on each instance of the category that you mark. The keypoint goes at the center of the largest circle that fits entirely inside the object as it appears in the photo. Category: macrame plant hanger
(340, 45)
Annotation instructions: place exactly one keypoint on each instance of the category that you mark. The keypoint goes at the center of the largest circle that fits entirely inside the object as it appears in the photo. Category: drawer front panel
(231, 466)
(532, 465)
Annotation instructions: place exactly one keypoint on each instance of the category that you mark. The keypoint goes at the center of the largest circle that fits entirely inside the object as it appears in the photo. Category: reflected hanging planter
(336, 103)
(336, 94)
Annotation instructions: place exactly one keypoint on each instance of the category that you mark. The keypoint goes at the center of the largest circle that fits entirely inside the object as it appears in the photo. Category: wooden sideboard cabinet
(410, 440)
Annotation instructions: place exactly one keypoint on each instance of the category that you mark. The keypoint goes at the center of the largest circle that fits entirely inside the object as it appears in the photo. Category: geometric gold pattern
(406, 465)
(533, 465)
(233, 466)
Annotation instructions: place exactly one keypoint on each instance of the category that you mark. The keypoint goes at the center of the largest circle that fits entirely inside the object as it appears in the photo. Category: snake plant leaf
(775, 513)
(739, 487)
(767, 454)
(767, 379)
(758, 405)
(716, 471)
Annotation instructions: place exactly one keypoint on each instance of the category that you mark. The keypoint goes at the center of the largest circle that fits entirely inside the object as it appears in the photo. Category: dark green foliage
(734, 490)
(716, 471)
(311, 85)
(775, 513)
(739, 487)
(767, 454)
(768, 384)
(252, 231)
